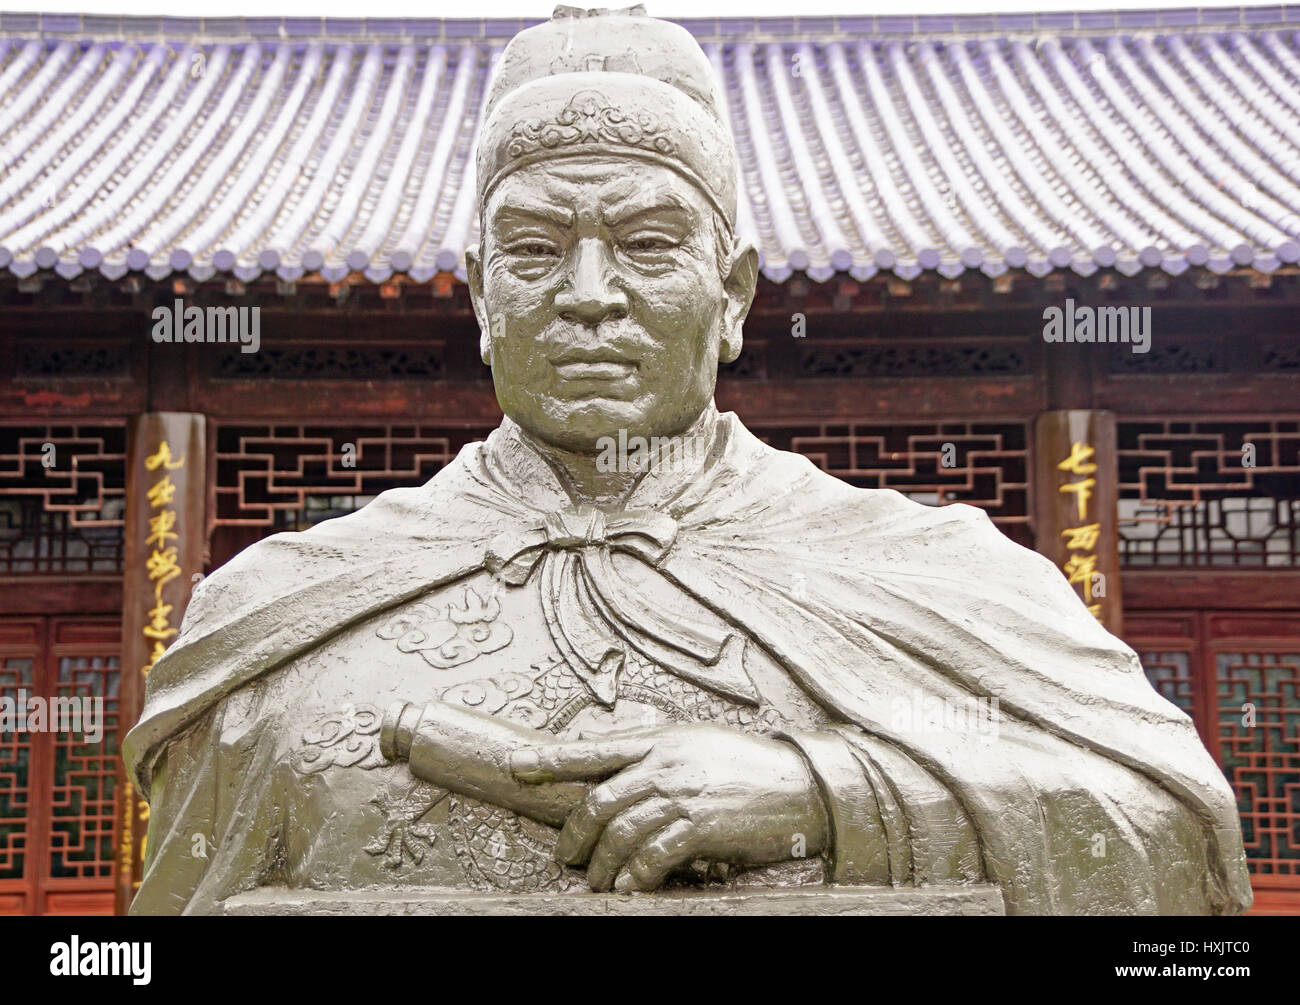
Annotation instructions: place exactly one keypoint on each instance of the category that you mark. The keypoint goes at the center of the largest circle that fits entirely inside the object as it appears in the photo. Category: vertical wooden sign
(164, 557)
(1076, 506)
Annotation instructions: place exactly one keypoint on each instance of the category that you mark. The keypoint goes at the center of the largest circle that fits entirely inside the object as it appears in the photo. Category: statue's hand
(679, 793)
(469, 753)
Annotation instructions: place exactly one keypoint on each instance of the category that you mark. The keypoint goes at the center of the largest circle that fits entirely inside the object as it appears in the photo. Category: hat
(610, 83)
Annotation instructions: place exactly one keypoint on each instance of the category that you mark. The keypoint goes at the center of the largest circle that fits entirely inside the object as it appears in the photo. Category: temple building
(1044, 264)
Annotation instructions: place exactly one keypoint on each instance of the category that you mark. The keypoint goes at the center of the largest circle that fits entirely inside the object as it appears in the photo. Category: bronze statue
(623, 644)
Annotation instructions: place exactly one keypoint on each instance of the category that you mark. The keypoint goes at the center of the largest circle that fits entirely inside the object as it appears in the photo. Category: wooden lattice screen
(62, 497)
(984, 464)
(1217, 493)
(1238, 676)
(56, 786)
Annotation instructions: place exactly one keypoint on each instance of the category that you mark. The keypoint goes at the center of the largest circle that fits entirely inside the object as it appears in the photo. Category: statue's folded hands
(678, 793)
(667, 795)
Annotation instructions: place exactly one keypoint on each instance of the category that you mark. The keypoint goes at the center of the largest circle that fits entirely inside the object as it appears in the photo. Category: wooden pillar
(1076, 499)
(165, 533)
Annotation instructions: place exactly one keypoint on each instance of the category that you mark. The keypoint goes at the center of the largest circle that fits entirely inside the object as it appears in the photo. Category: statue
(623, 645)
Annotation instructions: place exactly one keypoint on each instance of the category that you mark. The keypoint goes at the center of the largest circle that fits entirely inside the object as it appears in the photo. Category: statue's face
(603, 300)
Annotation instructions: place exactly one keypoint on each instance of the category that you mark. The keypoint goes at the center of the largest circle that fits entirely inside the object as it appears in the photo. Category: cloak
(896, 602)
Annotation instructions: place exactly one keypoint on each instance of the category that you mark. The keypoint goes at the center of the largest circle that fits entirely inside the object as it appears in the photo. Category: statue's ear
(739, 285)
(474, 277)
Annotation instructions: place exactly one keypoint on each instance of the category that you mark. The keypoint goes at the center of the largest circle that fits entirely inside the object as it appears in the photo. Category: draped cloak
(894, 604)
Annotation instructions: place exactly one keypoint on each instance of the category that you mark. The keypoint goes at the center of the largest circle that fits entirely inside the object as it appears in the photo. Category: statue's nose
(590, 295)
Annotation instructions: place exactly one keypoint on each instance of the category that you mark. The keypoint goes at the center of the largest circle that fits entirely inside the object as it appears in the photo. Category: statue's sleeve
(891, 822)
(1060, 828)
(212, 819)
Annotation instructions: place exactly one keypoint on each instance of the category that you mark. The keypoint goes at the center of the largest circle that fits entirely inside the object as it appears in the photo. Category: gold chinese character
(1083, 492)
(1080, 569)
(1083, 538)
(162, 567)
(1079, 452)
(160, 527)
(159, 626)
(161, 493)
(164, 458)
(1095, 610)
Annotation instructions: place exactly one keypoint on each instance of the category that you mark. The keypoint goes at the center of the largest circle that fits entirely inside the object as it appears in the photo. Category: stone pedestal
(861, 901)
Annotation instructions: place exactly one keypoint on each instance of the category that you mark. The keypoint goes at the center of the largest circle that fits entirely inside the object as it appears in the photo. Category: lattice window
(1251, 349)
(85, 772)
(1210, 493)
(44, 359)
(62, 498)
(16, 673)
(913, 359)
(289, 477)
(333, 363)
(1254, 710)
(1170, 673)
(1199, 355)
(1262, 761)
(983, 464)
(59, 773)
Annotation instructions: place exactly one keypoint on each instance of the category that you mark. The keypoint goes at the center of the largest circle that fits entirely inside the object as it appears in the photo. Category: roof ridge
(124, 26)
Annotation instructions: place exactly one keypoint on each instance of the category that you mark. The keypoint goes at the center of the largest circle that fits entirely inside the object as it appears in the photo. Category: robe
(749, 588)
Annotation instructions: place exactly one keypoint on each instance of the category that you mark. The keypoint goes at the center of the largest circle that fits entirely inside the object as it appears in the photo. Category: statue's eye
(648, 245)
(534, 249)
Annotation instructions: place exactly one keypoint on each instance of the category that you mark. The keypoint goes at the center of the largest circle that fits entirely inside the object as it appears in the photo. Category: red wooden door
(1237, 673)
(57, 786)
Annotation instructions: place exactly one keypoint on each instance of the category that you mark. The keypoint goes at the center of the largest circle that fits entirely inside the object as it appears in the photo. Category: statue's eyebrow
(645, 204)
(525, 208)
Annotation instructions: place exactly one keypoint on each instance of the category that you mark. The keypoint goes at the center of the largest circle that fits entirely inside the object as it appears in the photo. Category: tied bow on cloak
(595, 615)
(895, 600)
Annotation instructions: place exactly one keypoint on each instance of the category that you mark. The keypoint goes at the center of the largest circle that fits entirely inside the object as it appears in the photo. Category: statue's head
(608, 283)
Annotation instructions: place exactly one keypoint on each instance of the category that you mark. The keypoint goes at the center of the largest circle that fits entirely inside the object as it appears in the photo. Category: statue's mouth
(593, 364)
(607, 371)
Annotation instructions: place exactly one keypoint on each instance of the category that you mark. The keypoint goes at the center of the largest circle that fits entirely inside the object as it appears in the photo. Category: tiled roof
(900, 144)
